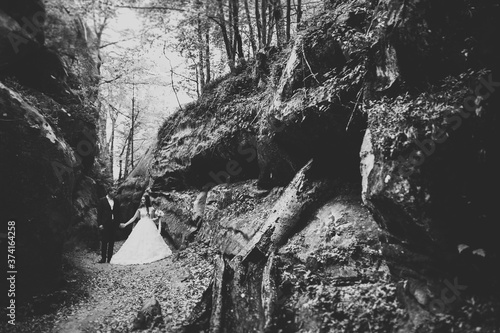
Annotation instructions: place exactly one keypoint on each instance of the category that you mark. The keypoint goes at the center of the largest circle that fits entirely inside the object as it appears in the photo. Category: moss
(396, 123)
(224, 104)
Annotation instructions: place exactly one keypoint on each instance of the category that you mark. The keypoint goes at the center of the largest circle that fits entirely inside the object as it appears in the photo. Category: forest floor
(106, 298)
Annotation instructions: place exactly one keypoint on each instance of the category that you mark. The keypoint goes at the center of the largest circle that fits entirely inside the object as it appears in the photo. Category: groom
(108, 219)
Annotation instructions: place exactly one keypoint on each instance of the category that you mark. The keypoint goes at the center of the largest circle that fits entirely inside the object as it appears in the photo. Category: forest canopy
(152, 51)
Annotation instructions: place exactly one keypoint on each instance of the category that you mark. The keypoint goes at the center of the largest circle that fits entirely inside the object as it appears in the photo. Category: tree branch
(153, 8)
(111, 80)
(171, 76)
(116, 42)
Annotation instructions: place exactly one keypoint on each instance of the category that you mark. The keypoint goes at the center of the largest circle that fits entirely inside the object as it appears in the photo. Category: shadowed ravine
(340, 182)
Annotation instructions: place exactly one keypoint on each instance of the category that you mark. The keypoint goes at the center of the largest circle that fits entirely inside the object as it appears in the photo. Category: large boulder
(149, 316)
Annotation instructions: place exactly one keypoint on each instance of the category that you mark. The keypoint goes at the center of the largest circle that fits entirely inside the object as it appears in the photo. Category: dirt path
(106, 298)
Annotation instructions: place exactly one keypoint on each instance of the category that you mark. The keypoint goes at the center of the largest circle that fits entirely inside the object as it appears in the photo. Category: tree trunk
(263, 15)
(201, 49)
(230, 25)
(207, 45)
(237, 35)
(132, 127)
(125, 149)
(258, 24)
(113, 115)
(278, 19)
(112, 145)
(227, 43)
(270, 24)
(207, 55)
(288, 19)
(299, 10)
(201, 44)
(250, 29)
(127, 154)
(102, 128)
(120, 173)
(197, 79)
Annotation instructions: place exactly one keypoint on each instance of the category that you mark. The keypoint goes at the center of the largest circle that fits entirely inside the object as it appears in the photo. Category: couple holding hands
(144, 244)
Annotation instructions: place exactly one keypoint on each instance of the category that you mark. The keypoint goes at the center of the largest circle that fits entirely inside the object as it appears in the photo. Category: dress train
(143, 245)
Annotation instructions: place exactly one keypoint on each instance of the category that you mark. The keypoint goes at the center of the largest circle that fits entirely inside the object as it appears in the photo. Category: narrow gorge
(344, 183)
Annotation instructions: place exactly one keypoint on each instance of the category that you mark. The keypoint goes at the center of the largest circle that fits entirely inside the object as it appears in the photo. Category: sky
(156, 98)
(128, 22)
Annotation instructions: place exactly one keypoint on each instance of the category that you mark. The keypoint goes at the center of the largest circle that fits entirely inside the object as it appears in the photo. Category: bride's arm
(136, 215)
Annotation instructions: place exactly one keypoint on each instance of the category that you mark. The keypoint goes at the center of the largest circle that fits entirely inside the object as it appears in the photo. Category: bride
(144, 244)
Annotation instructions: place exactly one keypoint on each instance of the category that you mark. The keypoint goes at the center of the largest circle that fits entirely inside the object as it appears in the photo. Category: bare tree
(288, 18)
(277, 13)
(222, 25)
(263, 15)
(250, 28)
(113, 113)
(258, 24)
(132, 128)
(299, 10)
(236, 30)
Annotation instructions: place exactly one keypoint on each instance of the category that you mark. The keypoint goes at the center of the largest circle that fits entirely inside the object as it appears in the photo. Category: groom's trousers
(107, 244)
(107, 249)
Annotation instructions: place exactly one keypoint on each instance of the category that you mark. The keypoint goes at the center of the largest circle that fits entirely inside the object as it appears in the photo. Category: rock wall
(393, 103)
(198, 149)
(133, 187)
(48, 72)
(431, 153)
(36, 190)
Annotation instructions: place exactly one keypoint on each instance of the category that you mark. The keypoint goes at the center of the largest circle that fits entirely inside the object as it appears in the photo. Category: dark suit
(110, 220)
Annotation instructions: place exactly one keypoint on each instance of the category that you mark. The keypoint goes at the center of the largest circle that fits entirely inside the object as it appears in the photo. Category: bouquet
(159, 214)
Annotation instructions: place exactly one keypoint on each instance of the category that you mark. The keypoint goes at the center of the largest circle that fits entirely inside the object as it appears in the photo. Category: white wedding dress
(143, 245)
